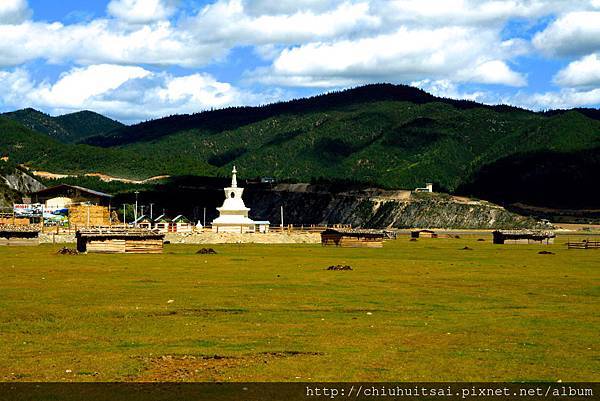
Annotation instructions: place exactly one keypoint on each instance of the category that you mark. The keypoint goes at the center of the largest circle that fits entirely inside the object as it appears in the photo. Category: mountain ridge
(365, 135)
(66, 128)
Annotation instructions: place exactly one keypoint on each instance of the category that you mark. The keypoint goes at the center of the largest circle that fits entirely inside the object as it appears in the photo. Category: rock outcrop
(376, 208)
(14, 183)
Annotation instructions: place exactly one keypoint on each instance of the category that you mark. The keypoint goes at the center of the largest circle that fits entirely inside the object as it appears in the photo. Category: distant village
(94, 220)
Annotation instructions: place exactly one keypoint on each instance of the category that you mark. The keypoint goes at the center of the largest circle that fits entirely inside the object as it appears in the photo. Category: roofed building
(523, 237)
(62, 195)
(119, 240)
(349, 238)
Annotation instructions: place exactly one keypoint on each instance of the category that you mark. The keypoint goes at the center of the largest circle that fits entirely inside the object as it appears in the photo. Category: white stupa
(233, 215)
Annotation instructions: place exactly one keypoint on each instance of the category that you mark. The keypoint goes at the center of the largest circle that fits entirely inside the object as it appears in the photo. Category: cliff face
(13, 184)
(374, 208)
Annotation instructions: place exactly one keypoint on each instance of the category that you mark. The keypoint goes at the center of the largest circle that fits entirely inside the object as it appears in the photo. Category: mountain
(377, 135)
(68, 128)
(215, 121)
(554, 179)
(38, 151)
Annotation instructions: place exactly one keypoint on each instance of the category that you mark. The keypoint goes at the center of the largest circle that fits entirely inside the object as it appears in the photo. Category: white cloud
(584, 72)
(79, 85)
(141, 11)
(496, 72)
(563, 99)
(405, 55)
(573, 34)
(447, 89)
(103, 41)
(127, 93)
(14, 11)
(228, 22)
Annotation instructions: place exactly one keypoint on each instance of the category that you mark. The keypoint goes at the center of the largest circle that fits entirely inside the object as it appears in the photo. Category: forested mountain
(68, 128)
(380, 135)
(215, 121)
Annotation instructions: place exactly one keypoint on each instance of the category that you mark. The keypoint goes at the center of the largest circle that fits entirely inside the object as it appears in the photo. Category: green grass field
(424, 310)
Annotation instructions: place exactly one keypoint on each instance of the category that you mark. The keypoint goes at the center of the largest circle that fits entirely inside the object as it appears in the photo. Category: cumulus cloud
(126, 93)
(584, 72)
(405, 55)
(573, 34)
(14, 11)
(141, 11)
(230, 23)
(562, 99)
(443, 44)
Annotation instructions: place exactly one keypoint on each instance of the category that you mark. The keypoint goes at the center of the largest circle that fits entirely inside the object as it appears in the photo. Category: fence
(583, 245)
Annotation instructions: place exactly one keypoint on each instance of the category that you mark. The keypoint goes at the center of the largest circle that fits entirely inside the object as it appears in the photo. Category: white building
(428, 188)
(233, 215)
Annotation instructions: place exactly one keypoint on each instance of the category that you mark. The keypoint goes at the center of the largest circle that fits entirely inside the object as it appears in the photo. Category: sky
(135, 60)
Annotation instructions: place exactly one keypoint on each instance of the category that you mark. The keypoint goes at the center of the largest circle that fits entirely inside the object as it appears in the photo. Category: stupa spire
(233, 178)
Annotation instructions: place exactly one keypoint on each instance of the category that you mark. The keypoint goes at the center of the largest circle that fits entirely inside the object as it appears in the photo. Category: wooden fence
(583, 245)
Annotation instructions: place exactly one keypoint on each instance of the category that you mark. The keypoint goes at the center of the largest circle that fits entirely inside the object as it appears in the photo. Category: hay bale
(67, 251)
(206, 251)
(339, 267)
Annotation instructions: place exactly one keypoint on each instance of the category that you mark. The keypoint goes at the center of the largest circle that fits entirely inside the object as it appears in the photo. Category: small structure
(523, 237)
(119, 240)
(163, 224)
(349, 238)
(19, 235)
(423, 234)
(428, 188)
(233, 215)
(143, 222)
(182, 224)
(262, 226)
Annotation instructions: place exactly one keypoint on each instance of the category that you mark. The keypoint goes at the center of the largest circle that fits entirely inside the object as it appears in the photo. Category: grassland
(425, 310)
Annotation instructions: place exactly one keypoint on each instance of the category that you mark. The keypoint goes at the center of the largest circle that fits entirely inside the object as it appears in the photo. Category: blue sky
(139, 59)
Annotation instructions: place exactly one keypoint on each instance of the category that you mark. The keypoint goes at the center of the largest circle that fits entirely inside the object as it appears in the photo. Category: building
(349, 238)
(119, 240)
(262, 226)
(523, 237)
(163, 224)
(423, 234)
(233, 215)
(182, 224)
(19, 235)
(63, 195)
(143, 222)
(428, 188)
(76, 205)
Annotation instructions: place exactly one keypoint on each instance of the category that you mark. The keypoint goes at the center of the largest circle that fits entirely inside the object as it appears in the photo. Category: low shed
(523, 237)
(119, 240)
(19, 235)
(349, 238)
(423, 234)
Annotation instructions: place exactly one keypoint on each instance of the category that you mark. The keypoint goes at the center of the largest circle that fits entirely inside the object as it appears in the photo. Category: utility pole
(282, 218)
(151, 215)
(204, 219)
(135, 212)
(124, 215)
